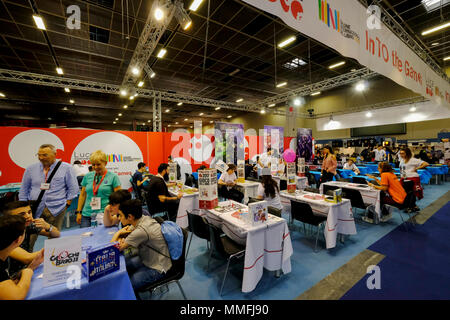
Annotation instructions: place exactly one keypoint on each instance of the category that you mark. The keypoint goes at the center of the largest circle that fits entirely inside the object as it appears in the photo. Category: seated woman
(409, 166)
(268, 190)
(227, 181)
(349, 165)
(393, 194)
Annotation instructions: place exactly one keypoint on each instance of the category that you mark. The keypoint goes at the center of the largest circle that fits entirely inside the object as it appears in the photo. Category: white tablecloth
(369, 195)
(249, 188)
(188, 202)
(267, 245)
(302, 182)
(339, 215)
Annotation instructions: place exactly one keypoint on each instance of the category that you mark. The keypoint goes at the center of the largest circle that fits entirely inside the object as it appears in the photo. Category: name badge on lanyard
(96, 203)
(45, 186)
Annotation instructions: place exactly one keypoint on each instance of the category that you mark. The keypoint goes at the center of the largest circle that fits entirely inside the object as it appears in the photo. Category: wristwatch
(78, 212)
(49, 229)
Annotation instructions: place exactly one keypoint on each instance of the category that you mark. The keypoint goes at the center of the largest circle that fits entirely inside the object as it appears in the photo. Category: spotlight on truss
(183, 18)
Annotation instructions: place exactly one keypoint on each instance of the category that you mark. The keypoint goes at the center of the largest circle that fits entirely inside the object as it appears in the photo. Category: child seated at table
(12, 234)
(110, 216)
(350, 165)
(268, 190)
(144, 234)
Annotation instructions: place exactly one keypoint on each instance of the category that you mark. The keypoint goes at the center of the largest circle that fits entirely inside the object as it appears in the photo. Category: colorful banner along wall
(345, 26)
(125, 149)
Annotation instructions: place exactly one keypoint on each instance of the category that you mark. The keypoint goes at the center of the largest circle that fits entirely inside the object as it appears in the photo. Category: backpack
(173, 235)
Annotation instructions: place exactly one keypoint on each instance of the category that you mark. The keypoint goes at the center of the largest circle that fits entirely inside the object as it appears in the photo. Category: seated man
(159, 196)
(12, 234)
(349, 165)
(32, 226)
(111, 214)
(144, 234)
(138, 177)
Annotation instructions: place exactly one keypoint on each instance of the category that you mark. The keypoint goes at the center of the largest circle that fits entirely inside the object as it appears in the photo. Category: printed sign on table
(301, 167)
(102, 261)
(59, 254)
(241, 171)
(291, 177)
(207, 187)
(172, 172)
(257, 212)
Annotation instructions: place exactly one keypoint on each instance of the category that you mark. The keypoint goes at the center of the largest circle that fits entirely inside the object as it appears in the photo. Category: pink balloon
(289, 155)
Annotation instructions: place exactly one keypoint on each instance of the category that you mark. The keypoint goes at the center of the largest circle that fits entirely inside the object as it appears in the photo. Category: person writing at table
(409, 166)
(97, 186)
(393, 192)
(12, 234)
(329, 165)
(349, 165)
(160, 198)
(144, 234)
(268, 190)
(227, 182)
(111, 214)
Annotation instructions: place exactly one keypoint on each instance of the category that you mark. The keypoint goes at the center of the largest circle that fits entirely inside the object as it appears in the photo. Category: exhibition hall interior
(247, 150)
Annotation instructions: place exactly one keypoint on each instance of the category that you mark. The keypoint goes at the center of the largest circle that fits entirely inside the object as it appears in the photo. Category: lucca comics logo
(64, 258)
(294, 6)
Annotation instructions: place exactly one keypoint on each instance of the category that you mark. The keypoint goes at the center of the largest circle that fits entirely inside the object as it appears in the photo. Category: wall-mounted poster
(230, 143)
(274, 139)
(304, 144)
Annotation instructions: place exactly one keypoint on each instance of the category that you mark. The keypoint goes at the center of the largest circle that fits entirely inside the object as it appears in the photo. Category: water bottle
(94, 220)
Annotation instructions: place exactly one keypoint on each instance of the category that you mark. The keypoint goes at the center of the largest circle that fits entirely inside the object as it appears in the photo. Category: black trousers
(325, 177)
(232, 194)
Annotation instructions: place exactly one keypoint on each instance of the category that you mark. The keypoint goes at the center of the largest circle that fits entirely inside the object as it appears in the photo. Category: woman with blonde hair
(97, 186)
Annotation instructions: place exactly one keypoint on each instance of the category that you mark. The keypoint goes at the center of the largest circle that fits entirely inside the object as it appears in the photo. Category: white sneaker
(366, 219)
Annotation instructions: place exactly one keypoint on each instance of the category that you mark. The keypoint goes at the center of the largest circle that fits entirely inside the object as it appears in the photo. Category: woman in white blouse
(409, 166)
(268, 190)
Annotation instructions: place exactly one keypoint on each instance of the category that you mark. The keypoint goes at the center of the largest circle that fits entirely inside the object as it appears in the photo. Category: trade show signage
(102, 261)
(344, 26)
(59, 254)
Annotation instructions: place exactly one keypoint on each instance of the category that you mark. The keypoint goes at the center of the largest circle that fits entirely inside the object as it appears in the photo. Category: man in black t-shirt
(15, 286)
(159, 196)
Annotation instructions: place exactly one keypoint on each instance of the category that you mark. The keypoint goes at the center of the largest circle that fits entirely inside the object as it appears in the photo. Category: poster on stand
(241, 171)
(304, 144)
(301, 167)
(229, 142)
(274, 139)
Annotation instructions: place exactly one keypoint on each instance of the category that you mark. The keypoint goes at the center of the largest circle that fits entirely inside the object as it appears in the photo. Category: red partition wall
(125, 149)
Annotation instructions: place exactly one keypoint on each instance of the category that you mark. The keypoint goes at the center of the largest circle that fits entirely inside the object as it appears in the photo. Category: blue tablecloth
(437, 169)
(345, 173)
(364, 170)
(10, 188)
(372, 168)
(114, 286)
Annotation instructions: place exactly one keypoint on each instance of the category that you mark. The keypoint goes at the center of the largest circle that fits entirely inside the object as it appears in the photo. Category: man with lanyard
(57, 192)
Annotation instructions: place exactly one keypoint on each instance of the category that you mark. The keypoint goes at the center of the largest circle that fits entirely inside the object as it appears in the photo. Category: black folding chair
(327, 189)
(197, 226)
(355, 199)
(153, 207)
(225, 248)
(302, 212)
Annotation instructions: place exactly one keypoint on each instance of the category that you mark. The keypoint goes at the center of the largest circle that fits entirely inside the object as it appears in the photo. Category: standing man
(57, 195)
(380, 154)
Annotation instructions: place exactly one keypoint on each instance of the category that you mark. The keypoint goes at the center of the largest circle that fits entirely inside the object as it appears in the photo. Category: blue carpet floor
(308, 268)
(417, 262)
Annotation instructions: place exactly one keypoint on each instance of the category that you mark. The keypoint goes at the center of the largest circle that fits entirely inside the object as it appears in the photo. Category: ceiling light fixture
(412, 109)
(179, 103)
(234, 72)
(186, 119)
(67, 90)
(149, 121)
(114, 122)
(281, 84)
(59, 70)
(336, 65)
(135, 71)
(2, 95)
(437, 28)
(360, 86)
(125, 106)
(239, 100)
(141, 84)
(369, 114)
(211, 121)
(72, 101)
(117, 119)
(162, 53)
(123, 92)
(176, 122)
(316, 93)
(167, 110)
(195, 4)
(39, 22)
(218, 108)
(229, 117)
(201, 114)
(286, 42)
(119, 114)
(434, 44)
(271, 105)
(297, 102)
(159, 14)
(447, 58)
(263, 111)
